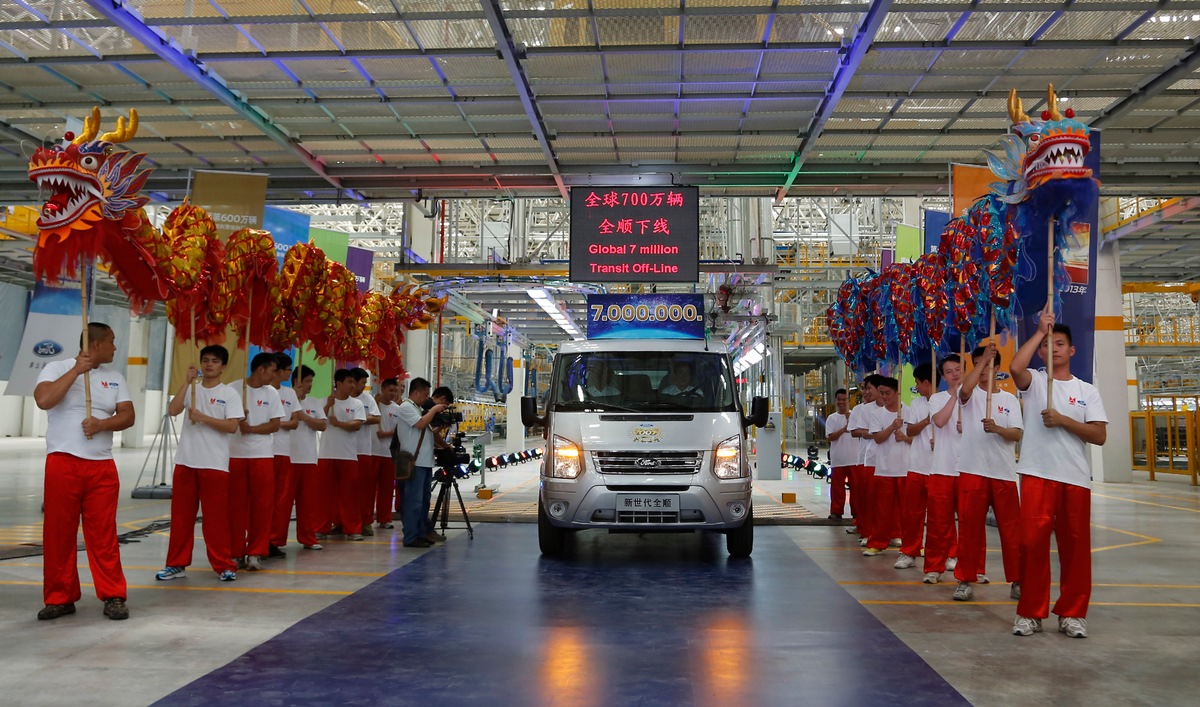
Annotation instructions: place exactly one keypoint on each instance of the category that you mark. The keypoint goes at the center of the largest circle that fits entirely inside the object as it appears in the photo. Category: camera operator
(444, 423)
(415, 422)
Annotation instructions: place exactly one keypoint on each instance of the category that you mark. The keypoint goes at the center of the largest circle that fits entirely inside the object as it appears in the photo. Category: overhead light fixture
(546, 301)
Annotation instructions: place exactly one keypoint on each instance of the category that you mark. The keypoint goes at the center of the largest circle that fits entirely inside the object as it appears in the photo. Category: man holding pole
(987, 474)
(1056, 480)
(81, 476)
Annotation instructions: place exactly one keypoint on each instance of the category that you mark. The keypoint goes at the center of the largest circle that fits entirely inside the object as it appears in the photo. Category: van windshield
(644, 381)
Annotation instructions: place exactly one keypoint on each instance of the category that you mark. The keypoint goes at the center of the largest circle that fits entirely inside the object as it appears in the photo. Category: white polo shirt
(920, 456)
(860, 418)
(947, 440)
(410, 436)
(367, 432)
(303, 444)
(891, 457)
(64, 422)
(262, 404)
(200, 446)
(843, 451)
(985, 454)
(1056, 454)
(281, 440)
(389, 417)
(337, 443)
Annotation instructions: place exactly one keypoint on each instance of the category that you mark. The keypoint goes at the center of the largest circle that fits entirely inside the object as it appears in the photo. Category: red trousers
(887, 493)
(860, 498)
(1067, 511)
(378, 478)
(837, 490)
(285, 497)
(975, 494)
(941, 533)
(912, 513)
(311, 510)
(80, 489)
(191, 490)
(251, 505)
(340, 476)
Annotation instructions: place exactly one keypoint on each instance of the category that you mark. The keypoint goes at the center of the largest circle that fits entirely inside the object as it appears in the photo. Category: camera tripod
(445, 479)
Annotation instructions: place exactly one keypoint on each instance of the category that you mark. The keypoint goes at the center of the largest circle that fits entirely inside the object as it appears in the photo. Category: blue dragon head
(1039, 151)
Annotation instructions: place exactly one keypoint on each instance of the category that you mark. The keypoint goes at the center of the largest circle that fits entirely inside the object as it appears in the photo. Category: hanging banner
(52, 332)
(235, 200)
(360, 261)
(287, 228)
(935, 223)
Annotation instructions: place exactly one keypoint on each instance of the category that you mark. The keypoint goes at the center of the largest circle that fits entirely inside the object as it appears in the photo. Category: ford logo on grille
(47, 348)
(647, 463)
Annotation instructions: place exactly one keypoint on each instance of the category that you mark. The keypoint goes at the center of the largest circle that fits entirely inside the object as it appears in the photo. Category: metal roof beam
(863, 38)
(1155, 87)
(167, 49)
(507, 49)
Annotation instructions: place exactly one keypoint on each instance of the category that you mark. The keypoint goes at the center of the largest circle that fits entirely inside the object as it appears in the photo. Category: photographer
(416, 436)
(444, 423)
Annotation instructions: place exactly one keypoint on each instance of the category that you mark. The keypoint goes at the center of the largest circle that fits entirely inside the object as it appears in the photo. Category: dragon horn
(1015, 112)
(125, 131)
(1053, 101)
(91, 126)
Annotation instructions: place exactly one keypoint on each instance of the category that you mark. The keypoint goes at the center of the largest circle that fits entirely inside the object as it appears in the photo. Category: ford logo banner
(647, 463)
(47, 348)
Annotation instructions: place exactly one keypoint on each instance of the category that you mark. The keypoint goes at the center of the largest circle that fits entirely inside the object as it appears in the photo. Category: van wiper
(581, 406)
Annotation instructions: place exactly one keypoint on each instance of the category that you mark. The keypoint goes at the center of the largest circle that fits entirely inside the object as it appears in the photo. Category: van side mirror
(529, 413)
(760, 408)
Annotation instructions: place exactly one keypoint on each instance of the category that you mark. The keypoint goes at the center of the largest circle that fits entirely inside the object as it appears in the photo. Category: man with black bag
(414, 436)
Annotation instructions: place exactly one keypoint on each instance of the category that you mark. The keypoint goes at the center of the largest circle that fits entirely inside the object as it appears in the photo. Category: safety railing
(1162, 331)
(1164, 442)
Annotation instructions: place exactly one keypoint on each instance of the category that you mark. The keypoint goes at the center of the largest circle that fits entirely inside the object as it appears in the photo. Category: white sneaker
(1026, 627)
(314, 546)
(872, 552)
(851, 530)
(1014, 592)
(1073, 627)
(253, 563)
(896, 542)
(904, 562)
(169, 573)
(862, 542)
(932, 577)
(963, 592)
(982, 579)
(951, 564)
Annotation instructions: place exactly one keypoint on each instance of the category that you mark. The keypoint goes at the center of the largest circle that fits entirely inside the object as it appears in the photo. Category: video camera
(455, 457)
(447, 417)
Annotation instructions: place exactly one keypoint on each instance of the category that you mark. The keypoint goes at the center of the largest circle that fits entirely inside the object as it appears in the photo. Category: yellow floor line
(1147, 503)
(514, 488)
(224, 587)
(1173, 496)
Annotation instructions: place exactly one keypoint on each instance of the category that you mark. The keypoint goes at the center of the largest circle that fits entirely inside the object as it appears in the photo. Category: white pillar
(1112, 463)
(514, 430)
(1131, 383)
(419, 355)
(135, 377)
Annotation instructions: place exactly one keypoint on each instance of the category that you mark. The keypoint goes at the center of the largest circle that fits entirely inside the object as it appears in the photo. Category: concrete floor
(824, 624)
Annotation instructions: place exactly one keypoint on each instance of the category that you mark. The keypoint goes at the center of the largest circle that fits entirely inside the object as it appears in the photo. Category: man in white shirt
(417, 437)
(987, 475)
(285, 482)
(337, 460)
(920, 462)
(367, 478)
(303, 446)
(81, 476)
(381, 453)
(201, 476)
(864, 472)
(891, 464)
(941, 533)
(598, 379)
(252, 464)
(843, 453)
(1056, 482)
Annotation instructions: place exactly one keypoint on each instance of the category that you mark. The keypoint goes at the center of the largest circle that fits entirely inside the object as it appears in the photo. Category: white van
(644, 435)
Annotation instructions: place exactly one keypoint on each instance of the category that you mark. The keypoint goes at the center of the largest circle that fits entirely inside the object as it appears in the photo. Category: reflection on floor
(628, 619)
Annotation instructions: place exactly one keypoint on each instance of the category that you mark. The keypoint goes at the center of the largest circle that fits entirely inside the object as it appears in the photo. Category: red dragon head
(1039, 151)
(89, 179)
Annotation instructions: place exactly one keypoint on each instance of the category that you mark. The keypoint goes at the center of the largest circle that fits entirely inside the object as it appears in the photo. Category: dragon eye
(1035, 138)
(89, 162)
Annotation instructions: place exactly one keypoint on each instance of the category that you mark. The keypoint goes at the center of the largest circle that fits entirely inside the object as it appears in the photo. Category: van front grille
(647, 517)
(647, 463)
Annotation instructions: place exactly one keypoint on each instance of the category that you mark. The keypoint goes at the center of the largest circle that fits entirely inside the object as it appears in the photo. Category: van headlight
(567, 459)
(727, 459)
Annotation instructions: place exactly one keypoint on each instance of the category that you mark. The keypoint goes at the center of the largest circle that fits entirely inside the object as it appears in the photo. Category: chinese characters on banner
(635, 235)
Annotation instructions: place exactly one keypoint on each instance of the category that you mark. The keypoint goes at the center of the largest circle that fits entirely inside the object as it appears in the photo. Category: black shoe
(419, 543)
(834, 517)
(115, 609)
(53, 611)
(274, 551)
